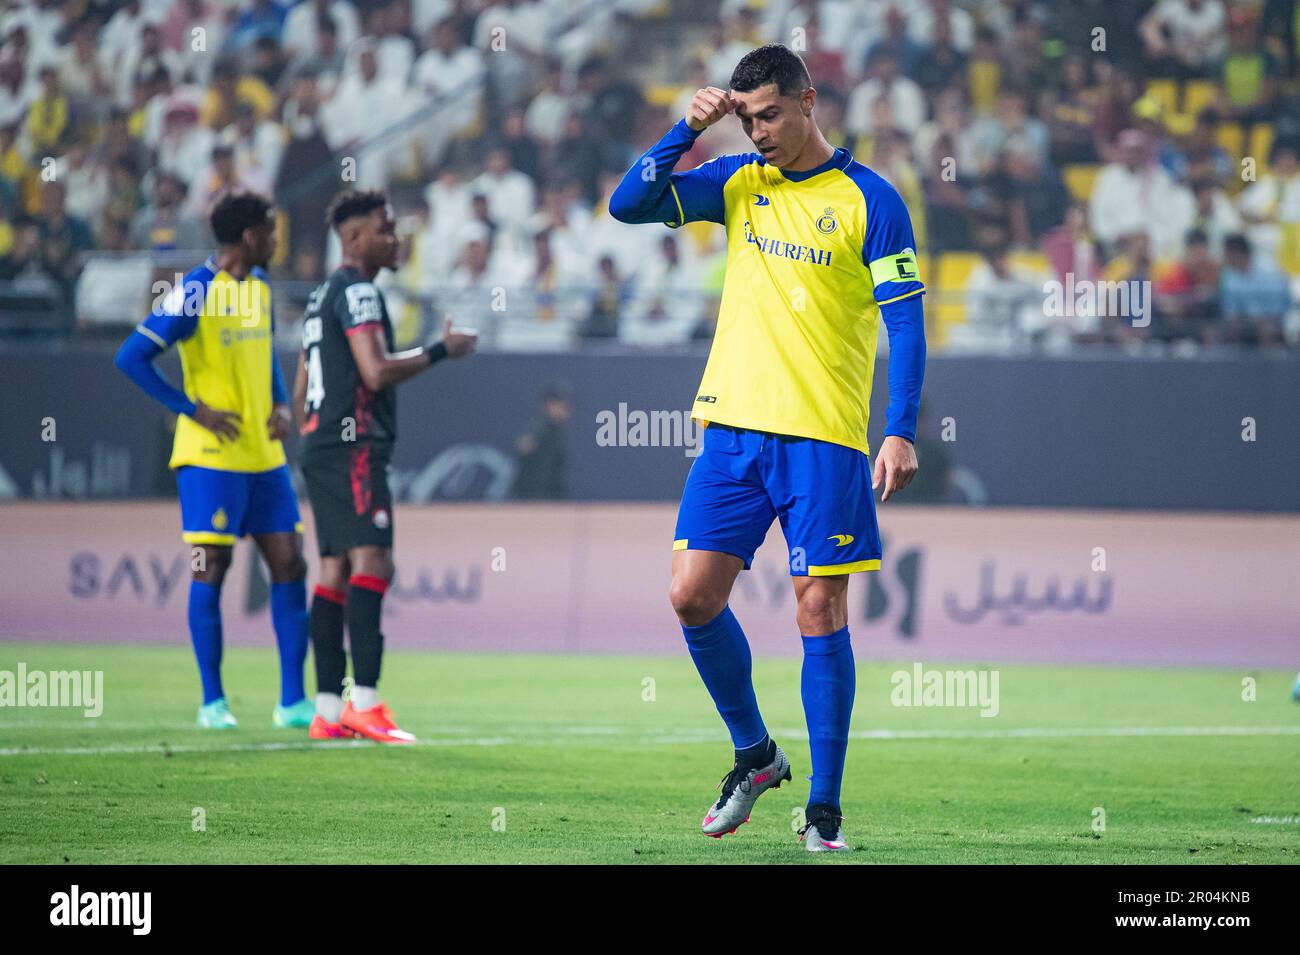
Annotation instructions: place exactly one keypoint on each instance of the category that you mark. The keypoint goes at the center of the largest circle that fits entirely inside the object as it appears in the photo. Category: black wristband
(436, 352)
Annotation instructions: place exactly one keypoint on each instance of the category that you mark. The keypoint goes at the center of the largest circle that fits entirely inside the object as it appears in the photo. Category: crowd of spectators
(1034, 141)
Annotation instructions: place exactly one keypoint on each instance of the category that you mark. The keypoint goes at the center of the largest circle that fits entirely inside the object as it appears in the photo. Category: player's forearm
(300, 385)
(644, 194)
(905, 321)
(279, 394)
(396, 368)
(135, 360)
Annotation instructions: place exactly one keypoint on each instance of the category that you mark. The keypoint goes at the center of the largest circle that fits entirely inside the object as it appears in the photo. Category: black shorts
(350, 497)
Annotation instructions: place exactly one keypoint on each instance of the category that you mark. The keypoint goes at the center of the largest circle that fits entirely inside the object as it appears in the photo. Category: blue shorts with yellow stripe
(820, 491)
(219, 506)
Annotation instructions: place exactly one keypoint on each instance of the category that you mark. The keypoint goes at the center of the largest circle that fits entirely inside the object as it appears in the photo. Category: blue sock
(289, 616)
(205, 634)
(828, 683)
(721, 654)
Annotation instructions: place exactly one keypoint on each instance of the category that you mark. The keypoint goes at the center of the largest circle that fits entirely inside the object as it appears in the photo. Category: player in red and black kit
(345, 388)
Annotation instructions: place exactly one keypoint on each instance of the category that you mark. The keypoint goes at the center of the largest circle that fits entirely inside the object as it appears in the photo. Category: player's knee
(373, 563)
(820, 611)
(694, 604)
(209, 564)
(289, 569)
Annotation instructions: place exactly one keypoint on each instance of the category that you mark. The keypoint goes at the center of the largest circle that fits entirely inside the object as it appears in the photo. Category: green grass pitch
(613, 759)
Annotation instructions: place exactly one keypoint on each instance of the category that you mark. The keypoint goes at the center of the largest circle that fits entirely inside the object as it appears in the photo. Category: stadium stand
(1018, 135)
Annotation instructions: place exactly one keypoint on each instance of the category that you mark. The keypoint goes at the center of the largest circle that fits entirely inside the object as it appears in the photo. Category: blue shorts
(820, 491)
(219, 506)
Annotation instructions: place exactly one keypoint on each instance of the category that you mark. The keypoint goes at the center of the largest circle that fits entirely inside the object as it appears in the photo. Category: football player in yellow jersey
(228, 457)
(820, 251)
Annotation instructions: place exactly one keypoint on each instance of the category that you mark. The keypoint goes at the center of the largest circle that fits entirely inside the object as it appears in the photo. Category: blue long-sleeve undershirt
(905, 322)
(644, 195)
(279, 395)
(135, 358)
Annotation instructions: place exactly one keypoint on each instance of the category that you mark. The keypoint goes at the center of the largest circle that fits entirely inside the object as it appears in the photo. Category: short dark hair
(1237, 243)
(771, 63)
(352, 203)
(236, 212)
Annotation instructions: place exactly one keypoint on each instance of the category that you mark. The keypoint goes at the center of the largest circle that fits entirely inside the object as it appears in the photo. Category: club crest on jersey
(381, 519)
(219, 521)
(826, 223)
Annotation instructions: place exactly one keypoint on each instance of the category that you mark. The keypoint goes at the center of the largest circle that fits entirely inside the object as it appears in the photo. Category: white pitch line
(679, 738)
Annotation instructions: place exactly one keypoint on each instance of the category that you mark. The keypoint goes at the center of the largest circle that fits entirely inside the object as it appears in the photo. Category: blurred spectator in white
(142, 60)
(451, 74)
(258, 147)
(950, 122)
(1215, 216)
(363, 107)
(475, 295)
(195, 27)
(119, 36)
(1271, 205)
(1185, 36)
(82, 72)
(85, 179)
(1135, 194)
(1004, 300)
(511, 35)
(303, 21)
(669, 298)
(549, 108)
(739, 35)
(904, 97)
(162, 224)
(511, 196)
(1255, 296)
(394, 50)
(185, 146)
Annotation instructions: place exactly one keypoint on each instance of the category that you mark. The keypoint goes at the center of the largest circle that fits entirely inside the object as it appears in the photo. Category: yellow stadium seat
(1199, 95)
(1261, 143)
(1165, 92)
(1233, 139)
(952, 274)
(1033, 261)
(663, 94)
(1079, 179)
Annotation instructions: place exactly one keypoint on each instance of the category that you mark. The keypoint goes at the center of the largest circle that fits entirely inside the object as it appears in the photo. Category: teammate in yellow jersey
(229, 462)
(820, 251)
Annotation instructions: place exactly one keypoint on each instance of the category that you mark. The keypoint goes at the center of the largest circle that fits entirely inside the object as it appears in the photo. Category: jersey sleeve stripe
(681, 214)
(152, 336)
(899, 298)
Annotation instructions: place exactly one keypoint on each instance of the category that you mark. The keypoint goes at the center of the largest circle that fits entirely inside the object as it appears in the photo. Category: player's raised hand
(459, 344)
(224, 424)
(707, 107)
(895, 465)
(278, 425)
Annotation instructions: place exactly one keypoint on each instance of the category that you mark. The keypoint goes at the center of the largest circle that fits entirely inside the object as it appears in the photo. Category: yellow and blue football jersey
(811, 259)
(222, 328)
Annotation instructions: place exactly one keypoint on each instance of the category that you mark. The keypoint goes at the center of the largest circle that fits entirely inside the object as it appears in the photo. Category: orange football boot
(375, 723)
(322, 728)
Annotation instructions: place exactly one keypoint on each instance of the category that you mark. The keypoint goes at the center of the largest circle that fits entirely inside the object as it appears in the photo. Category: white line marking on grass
(683, 737)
